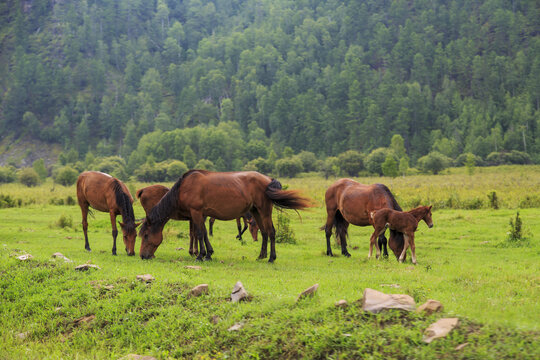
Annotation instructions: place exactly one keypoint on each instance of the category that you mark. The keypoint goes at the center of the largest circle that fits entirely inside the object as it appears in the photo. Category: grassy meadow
(462, 261)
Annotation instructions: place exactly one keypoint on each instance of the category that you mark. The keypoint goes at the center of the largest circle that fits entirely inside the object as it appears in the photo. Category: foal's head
(129, 233)
(151, 238)
(427, 218)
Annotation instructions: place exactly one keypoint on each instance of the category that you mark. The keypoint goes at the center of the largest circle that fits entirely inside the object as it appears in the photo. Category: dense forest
(233, 84)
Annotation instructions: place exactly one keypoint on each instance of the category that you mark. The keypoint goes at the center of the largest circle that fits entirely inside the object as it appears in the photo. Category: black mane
(391, 196)
(124, 203)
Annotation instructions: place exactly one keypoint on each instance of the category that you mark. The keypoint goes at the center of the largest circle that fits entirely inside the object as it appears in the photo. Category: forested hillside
(232, 81)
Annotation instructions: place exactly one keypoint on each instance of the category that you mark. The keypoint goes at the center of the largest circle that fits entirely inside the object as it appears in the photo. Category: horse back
(151, 195)
(96, 188)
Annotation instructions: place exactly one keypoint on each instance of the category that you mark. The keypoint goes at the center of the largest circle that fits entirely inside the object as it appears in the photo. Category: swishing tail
(286, 199)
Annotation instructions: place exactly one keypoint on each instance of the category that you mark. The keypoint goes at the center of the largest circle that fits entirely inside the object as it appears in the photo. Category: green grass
(492, 289)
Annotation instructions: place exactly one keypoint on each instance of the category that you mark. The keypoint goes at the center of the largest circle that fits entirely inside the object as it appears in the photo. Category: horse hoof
(88, 249)
(271, 261)
(347, 254)
(208, 258)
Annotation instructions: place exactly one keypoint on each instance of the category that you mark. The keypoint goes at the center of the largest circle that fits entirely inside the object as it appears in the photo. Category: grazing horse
(151, 195)
(224, 196)
(348, 201)
(104, 193)
(249, 221)
(404, 222)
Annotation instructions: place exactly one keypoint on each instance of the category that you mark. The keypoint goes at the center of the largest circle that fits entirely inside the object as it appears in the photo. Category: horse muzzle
(430, 226)
(147, 257)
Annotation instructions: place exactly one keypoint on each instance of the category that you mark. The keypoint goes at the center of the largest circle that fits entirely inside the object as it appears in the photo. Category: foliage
(284, 231)
(162, 171)
(516, 233)
(64, 221)
(7, 174)
(493, 200)
(376, 158)
(470, 163)
(390, 167)
(40, 169)
(434, 162)
(6, 201)
(512, 157)
(65, 175)
(112, 165)
(351, 162)
(289, 167)
(28, 177)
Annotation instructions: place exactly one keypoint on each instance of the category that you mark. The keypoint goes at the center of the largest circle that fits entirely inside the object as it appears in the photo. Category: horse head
(129, 232)
(427, 218)
(151, 238)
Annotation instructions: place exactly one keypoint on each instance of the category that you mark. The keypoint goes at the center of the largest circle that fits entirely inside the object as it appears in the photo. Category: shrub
(284, 232)
(390, 167)
(112, 165)
(493, 200)
(259, 164)
(376, 158)
(39, 167)
(175, 169)
(64, 221)
(462, 159)
(351, 162)
(309, 160)
(330, 167)
(433, 162)
(205, 164)
(29, 177)
(65, 175)
(7, 201)
(512, 157)
(7, 174)
(516, 234)
(289, 167)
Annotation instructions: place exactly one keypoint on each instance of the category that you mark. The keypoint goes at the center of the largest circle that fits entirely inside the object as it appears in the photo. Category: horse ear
(121, 223)
(430, 206)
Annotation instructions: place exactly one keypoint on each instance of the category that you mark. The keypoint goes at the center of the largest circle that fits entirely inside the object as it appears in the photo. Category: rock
(236, 327)
(430, 306)
(199, 290)
(192, 267)
(215, 319)
(25, 257)
(85, 267)
(58, 255)
(439, 329)
(309, 292)
(239, 293)
(84, 320)
(375, 301)
(137, 357)
(147, 278)
(23, 335)
(461, 346)
(341, 304)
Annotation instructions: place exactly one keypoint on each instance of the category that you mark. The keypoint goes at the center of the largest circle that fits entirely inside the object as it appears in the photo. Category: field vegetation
(49, 310)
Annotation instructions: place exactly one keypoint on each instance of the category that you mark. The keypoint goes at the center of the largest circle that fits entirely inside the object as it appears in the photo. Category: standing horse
(224, 196)
(249, 221)
(349, 202)
(404, 222)
(104, 193)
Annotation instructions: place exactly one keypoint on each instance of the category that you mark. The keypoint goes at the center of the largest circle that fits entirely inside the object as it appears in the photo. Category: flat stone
(309, 292)
(239, 293)
(25, 257)
(199, 290)
(193, 267)
(147, 278)
(84, 320)
(375, 301)
(23, 335)
(137, 357)
(439, 329)
(85, 267)
(341, 304)
(236, 327)
(58, 255)
(430, 306)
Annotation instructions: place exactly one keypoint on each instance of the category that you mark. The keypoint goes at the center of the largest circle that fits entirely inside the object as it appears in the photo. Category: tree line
(232, 82)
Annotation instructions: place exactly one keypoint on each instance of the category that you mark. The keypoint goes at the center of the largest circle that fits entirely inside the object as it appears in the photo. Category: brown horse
(151, 195)
(404, 222)
(348, 201)
(249, 221)
(224, 196)
(105, 193)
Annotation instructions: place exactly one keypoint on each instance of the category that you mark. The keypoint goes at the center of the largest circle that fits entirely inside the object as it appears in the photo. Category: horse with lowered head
(224, 196)
(107, 194)
(404, 222)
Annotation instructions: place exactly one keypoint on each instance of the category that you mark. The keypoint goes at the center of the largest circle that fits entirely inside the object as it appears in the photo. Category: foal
(404, 222)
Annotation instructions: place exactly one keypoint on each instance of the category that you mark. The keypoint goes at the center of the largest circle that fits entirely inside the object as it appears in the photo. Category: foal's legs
(114, 230)
(373, 240)
(413, 252)
(406, 237)
(84, 211)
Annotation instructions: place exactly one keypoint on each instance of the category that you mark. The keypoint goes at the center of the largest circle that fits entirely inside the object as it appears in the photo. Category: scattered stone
(215, 319)
(460, 347)
(341, 304)
(439, 329)
(85, 267)
(193, 267)
(236, 326)
(57, 309)
(84, 320)
(199, 290)
(137, 357)
(58, 255)
(23, 335)
(309, 292)
(430, 306)
(346, 335)
(239, 293)
(25, 257)
(395, 286)
(147, 278)
(375, 301)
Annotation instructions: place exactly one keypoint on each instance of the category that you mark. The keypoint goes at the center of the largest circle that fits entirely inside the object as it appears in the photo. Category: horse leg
(343, 239)
(240, 229)
(413, 250)
(264, 242)
(209, 248)
(371, 242)
(382, 244)
(405, 246)
(114, 230)
(328, 231)
(84, 211)
(193, 246)
(271, 232)
(200, 231)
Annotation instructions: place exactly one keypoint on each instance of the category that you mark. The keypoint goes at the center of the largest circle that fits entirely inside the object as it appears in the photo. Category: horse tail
(286, 199)
(341, 226)
(139, 193)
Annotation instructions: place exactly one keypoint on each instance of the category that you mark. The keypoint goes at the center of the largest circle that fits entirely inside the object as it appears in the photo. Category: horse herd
(199, 194)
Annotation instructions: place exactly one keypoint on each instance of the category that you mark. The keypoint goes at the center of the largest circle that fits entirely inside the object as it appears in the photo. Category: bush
(39, 167)
(289, 167)
(376, 158)
(493, 200)
(7, 201)
(330, 167)
(112, 165)
(259, 164)
(506, 158)
(309, 160)
(284, 232)
(175, 169)
(516, 234)
(66, 175)
(351, 162)
(205, 164)
(7, 174)
(462, 159)
(434, 162)
(64, 221)
(29, 177)
(390, 167)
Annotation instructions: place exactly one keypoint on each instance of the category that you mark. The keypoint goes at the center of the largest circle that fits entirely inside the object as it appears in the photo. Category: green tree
(28, 177)
(40, 169)
(351, 162)
(289, 167)
(433, 162)
(190, 158)
(390, 167)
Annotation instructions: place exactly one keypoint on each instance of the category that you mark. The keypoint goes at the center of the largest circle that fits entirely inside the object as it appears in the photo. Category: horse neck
(123, 203)
(418, 213)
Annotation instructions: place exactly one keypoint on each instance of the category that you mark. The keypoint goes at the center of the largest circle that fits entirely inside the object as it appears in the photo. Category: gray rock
(375, 301)
(25, 257)
(239, 293)
(199, 290)
(87, 266)
(439, 329)
(58, 255)
(341, 304)
(309, 292)
(147, 278)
